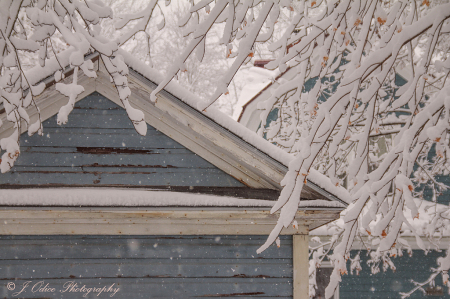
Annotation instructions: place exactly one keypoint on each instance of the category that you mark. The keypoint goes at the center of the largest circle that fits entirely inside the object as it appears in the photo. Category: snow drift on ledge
(133, 198)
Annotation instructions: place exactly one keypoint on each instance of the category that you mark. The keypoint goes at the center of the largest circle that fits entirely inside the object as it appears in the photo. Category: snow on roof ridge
(256, 79)
(38, 73)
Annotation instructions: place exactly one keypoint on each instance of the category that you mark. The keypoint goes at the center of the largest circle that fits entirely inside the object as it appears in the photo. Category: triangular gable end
(250, 172)
(100, 147)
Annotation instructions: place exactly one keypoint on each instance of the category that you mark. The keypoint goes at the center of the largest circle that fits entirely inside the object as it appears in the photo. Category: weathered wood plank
(174, 267)
(171, 288)
(170, 250)
(105, 150)
(53, 221)
(119, 169)
(110, 120)
(230, 214)
(94, 138)
(155, 177)
(138, 229)
(140, 158)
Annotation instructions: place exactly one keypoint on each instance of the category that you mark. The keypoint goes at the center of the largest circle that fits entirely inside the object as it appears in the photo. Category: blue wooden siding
(149, 266)
(99, 146)
(443, 197)
(388, 284)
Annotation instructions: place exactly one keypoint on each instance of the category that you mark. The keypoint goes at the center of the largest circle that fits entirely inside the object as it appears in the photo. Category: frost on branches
(335, 114)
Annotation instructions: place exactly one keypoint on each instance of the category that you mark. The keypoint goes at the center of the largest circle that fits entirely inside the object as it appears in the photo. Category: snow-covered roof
(132, 198)
(254, 80)
(316, 181)
(249, 114)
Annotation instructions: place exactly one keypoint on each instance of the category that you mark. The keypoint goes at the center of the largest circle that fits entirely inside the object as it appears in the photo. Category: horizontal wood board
(142, 221)
(99, 146)
(149, 266)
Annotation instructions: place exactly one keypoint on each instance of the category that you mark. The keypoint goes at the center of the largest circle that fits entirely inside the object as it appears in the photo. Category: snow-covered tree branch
(343, 113)
(344, 100)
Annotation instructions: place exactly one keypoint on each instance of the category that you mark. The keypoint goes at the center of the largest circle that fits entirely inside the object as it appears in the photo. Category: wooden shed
(92, 208)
